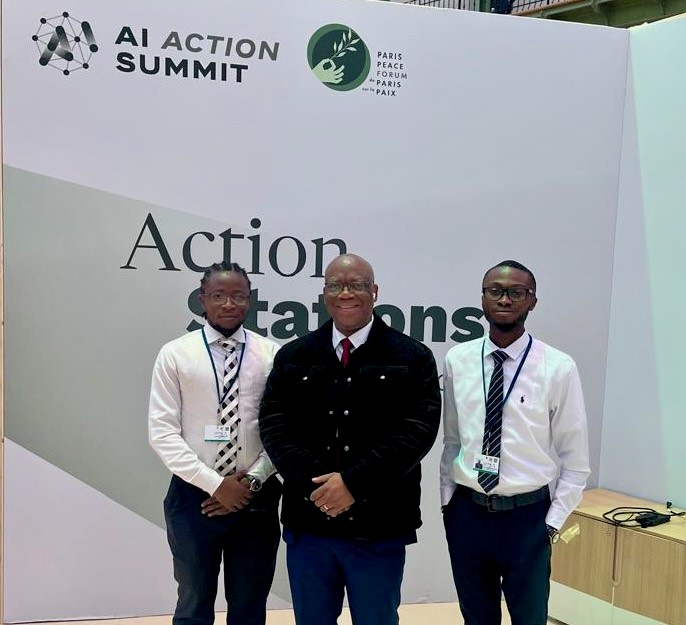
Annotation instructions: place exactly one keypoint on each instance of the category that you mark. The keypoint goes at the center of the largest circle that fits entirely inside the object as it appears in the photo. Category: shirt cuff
(208, 480)
(262, 469)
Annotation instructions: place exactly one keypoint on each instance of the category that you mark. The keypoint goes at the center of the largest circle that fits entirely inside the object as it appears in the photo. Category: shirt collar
(213, 336)
(514, 350)
(358, 338)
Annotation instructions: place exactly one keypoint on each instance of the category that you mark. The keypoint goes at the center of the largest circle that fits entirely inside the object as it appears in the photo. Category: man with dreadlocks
(223, 497)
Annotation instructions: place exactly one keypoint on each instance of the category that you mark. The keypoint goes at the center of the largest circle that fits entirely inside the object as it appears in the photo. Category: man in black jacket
(348, 413)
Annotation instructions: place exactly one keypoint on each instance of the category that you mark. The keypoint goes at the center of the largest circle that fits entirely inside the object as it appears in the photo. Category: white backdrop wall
(644, 430)
(499, 138)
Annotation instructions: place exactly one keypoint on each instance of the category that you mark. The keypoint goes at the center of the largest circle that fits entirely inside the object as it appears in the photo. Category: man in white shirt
(515, 460)
(223, 497)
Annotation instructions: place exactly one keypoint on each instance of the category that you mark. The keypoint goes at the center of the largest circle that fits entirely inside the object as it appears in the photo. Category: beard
(225, 331)
(510, 325)
(505, 327)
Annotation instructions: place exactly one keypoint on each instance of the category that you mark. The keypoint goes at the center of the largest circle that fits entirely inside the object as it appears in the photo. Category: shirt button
(330, 412)
(328, 448)
(346, 448)
(240, 449)
(345, 413)
(349, 380)
(305, 378)
(383, 377)
(350, 518)
(306, 498)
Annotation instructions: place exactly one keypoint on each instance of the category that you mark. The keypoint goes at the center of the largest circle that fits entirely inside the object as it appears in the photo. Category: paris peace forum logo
(338, 57)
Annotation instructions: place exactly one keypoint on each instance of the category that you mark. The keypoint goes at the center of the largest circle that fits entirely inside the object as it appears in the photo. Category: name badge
(217, 433)
(486, 464)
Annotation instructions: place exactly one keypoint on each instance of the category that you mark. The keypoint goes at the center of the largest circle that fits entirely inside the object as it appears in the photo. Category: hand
(332, 497)
(234, 492)
(330, 73)
(212, 507)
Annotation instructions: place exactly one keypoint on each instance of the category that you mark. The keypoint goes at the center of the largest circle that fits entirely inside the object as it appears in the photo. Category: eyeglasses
(336, 288)
(515, 293)
(239, 299)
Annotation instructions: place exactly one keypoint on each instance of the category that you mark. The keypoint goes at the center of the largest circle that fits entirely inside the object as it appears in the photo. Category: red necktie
(347, 344)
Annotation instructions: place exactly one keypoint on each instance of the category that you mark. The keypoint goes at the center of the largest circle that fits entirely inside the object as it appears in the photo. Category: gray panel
(82, 334)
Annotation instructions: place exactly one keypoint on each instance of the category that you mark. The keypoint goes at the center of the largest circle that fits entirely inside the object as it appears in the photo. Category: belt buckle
(490, 499)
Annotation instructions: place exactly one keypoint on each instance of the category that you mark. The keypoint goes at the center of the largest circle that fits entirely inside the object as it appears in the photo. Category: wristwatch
(255, 483)
(553, 534)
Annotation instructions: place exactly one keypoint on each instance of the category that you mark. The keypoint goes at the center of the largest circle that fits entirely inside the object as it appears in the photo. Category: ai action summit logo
(338, 57)
(65, 43)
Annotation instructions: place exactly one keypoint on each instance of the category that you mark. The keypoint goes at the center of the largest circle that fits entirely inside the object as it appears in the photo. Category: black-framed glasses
(239, 299)
(336, 288)
(515, 293)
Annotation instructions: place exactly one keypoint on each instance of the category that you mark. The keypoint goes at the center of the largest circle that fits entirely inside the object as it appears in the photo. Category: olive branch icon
(346, 45)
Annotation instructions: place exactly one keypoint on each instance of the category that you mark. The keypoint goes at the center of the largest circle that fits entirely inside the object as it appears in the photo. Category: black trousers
(247, 542)
(506, 551)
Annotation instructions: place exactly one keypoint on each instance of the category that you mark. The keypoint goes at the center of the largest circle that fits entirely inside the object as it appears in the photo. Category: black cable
(634, 516)
(626, 515)
(671, 512)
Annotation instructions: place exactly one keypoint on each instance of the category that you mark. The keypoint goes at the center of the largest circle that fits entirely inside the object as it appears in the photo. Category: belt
(500, 503)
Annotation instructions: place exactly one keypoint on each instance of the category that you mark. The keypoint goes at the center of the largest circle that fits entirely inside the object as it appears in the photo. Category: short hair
(514, 265)
(223, 267)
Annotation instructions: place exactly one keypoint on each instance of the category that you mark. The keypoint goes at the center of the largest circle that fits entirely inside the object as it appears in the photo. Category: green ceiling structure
(617, 13)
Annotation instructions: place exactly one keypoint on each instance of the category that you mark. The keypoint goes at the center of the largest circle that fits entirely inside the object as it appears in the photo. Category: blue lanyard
(221, 397)
(516, 375)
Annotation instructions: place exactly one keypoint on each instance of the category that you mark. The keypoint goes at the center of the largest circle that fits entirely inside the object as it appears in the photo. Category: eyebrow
(512, 286)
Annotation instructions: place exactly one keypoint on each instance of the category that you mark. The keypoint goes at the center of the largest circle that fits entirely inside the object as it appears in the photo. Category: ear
(201, 299)
(534, 301)
(375, 291)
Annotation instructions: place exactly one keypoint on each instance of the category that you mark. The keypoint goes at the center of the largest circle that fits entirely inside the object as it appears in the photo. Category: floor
(410, 614)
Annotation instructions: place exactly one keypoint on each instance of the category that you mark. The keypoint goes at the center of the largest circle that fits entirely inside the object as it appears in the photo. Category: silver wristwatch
(255, 483)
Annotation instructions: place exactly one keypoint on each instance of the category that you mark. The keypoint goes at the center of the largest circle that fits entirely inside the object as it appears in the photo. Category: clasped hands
(332, 497)
(233, 494)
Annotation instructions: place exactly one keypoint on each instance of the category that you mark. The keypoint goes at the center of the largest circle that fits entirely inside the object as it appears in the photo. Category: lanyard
(516, 375)
(221, 397)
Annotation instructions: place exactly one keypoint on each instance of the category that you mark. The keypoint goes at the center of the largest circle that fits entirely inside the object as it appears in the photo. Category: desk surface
(599, 500)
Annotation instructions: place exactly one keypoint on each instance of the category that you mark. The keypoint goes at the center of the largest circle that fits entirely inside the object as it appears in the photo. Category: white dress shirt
(183, 400)
(544, 432)
(357, 338)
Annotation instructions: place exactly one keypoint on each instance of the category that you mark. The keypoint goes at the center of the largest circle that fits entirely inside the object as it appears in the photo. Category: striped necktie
(494, 420)
(227, 452)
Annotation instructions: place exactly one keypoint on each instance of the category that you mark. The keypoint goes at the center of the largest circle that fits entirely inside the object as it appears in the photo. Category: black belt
(499, 503)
